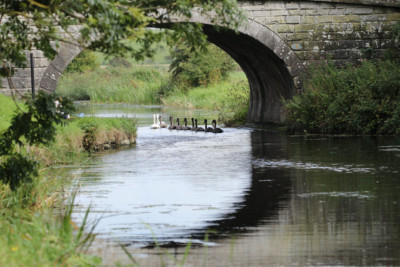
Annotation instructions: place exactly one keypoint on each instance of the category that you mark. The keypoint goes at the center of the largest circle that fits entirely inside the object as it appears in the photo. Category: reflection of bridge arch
(268, 192)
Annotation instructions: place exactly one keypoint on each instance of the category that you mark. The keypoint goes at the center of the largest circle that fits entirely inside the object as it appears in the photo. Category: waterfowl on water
(216, 130)
(178, 127)
(207, 129)
(186, 127)
(198, 129)
(155, 124)
(162, 124)
(172, 126)
(193, 127)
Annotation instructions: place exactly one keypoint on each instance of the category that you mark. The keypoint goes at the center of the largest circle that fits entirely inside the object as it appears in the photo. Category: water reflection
(286, 200)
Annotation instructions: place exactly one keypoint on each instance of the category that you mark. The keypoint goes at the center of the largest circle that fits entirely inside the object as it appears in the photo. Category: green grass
(141, 85)
(36, 228)
(7, 109)
(34, 233)
(211, 97)
(230, 98)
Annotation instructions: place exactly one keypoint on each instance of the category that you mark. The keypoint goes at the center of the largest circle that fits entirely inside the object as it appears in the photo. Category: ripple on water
(261, 163)
(356, 194)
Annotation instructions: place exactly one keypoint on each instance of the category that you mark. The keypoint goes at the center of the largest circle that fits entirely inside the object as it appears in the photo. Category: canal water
(245, 197)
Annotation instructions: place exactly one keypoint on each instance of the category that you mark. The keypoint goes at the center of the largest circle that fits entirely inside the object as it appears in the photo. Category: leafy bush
(34, 126)
(235, 105)
(358, 100)
(85, 61)
(200, 68)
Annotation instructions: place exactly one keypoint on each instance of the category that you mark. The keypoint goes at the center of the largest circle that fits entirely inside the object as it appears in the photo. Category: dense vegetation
(362, 99)
(200, 68)
(35, 225)
(203, 80)
(139, 85)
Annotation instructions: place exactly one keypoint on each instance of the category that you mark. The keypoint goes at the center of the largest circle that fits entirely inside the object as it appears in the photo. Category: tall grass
(229, 97)
(209, 97)
(140, 85)
(34, 233)
(7, 109)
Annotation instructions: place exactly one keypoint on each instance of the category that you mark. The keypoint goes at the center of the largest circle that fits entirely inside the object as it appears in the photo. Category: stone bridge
(274, 47)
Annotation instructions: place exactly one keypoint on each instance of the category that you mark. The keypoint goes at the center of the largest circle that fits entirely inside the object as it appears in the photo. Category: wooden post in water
(32, 77)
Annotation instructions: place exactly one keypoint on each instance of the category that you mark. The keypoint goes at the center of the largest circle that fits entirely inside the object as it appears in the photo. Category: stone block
(22, 73)
(273, 20)
(48, 84)
(335, 11)
(346, 18)
(18, 83)
(297, 68)
(41, 62)
(393, 17)
(4, 83)
(341, 54)
(374, 18)
(274, 6)
(359, 10)
(323, 19)
(292, 5)
(279, 12)
(307, 20)
(281, 49)
(293, 19)
(298, 36)
(308, 5)
(304, 27)
(259, 13)
(260, 20)
(291, 59)
(296, 12)
(311, 12)
(52, 73)
(284, 28)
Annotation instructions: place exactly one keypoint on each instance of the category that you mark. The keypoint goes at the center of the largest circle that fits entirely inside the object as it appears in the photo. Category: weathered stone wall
(317, 30)
(22, 77)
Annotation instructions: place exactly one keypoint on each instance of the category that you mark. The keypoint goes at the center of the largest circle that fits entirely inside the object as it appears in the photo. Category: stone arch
(272, 68)
(66, 53)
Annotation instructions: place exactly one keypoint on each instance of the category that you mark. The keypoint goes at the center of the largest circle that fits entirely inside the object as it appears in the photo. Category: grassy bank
(138, 85)
(352, 100)
(35, 220)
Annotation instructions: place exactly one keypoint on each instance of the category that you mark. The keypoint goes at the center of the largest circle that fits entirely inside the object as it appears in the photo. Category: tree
(85, 61)
(103, 24)
(195, 69)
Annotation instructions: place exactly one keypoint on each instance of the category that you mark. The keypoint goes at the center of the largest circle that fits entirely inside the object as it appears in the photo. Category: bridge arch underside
(267, 74)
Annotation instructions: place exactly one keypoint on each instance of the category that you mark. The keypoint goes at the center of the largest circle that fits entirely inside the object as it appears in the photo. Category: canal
(245, 197)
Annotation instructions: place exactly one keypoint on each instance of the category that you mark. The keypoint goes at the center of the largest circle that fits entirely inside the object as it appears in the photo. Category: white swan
(162, 124)
(155, 124)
